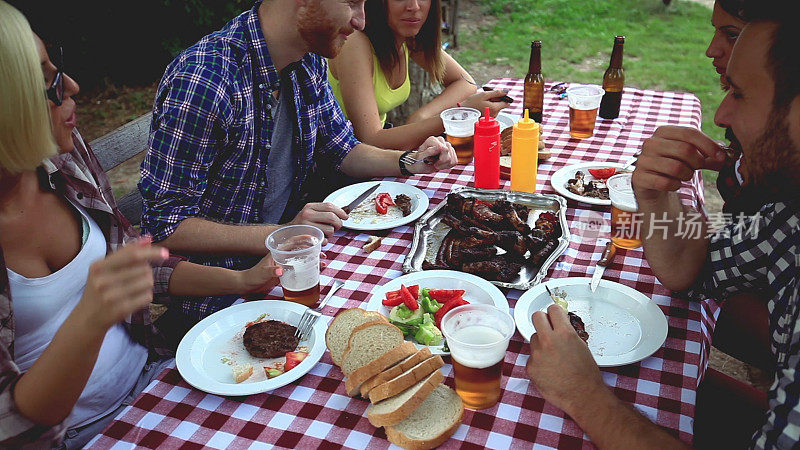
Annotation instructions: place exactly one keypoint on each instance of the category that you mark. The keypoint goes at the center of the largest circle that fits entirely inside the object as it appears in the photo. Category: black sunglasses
(56, 90)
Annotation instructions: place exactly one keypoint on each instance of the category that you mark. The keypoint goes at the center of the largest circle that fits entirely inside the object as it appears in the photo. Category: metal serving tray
(429, 232)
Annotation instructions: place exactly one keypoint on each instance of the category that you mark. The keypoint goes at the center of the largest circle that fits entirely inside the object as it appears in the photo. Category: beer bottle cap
(526, 127)
(487, 125)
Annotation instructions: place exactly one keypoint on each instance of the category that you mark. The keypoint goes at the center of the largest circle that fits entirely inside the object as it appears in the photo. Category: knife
(605, 261)
(361, 198)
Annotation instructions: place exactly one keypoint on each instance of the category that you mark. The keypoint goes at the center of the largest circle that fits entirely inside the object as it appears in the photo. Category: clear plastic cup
(296, 249)
(459, 129)
(584, 101)
(478, 336)
(625, 222)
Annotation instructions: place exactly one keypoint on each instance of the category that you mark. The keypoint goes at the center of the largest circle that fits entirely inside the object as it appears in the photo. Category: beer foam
(491, 350)
(621, 193)
(300, 273)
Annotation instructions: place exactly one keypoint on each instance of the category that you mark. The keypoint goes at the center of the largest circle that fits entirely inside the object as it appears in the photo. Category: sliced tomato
(443, 295)
(381, 208)
(603, 173)
(457, 301)
(409, 300)
(414, 290)
(393, 298)
(385, 198)
(382, 203)
(293, 359)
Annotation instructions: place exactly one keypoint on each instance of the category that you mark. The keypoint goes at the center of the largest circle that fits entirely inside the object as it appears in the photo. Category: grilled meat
(577, 185)
(478, 228)
(507, 210)
(403, 202)
(514, 242)
(522, 211)
(470, 208)
(270, 339)
(593, 189)
(548, 223)
(498, 268)
(578, 325)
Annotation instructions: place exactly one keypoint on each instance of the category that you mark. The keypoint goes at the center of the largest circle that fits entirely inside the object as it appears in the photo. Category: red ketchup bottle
(487, 152)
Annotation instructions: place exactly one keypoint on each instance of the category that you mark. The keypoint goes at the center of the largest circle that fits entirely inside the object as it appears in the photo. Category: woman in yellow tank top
(398, 31)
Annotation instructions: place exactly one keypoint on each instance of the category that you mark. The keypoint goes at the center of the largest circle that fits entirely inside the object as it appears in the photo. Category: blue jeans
(80, 436)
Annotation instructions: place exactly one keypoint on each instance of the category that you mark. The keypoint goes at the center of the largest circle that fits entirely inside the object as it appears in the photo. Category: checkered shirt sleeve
(186, 131)
(760, 253)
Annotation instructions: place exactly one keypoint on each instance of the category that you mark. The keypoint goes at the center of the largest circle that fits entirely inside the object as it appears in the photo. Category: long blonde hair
(26, 137)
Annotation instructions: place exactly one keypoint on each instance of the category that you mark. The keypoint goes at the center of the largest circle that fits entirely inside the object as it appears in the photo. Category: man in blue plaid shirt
(757, 253)
(245, 126)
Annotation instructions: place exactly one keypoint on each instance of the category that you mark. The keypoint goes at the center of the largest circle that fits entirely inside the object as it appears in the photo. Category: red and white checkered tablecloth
(315, 410)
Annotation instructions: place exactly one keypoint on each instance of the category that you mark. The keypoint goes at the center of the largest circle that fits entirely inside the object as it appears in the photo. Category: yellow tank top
(386, 97)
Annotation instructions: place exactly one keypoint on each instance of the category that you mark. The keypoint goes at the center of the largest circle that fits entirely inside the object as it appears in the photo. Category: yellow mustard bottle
(524, 154)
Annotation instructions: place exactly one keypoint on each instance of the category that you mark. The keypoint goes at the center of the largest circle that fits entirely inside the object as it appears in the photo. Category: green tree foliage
(127, 42)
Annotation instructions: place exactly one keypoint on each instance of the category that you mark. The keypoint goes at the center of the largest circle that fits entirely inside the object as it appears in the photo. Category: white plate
(477, 290)
(201, 352)
(345, 195)
(624, 325)
(562, 175)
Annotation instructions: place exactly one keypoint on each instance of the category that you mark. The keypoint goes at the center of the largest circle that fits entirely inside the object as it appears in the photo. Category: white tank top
(41, 305)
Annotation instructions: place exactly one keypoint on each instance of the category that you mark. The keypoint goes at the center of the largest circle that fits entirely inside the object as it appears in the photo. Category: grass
(664, 49)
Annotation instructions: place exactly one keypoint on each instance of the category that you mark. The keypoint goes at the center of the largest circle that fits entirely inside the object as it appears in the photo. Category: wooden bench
(119, 146)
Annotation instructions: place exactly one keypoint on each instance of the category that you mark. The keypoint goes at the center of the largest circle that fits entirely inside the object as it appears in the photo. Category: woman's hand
(119, 285)
(261, 278)
(482, 100)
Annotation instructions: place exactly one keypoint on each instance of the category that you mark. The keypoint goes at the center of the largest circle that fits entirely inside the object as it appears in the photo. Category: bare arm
(672, 155)
(195, 280)
(563, 370)
(368, 161)
(197, 235)
(354, 68)
(456, 89)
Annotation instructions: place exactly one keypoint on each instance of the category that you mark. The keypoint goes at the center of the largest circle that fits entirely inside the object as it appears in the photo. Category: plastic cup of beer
(584, 100)
(478, 336)
(625, 223)
(296, 249)
(459, 129)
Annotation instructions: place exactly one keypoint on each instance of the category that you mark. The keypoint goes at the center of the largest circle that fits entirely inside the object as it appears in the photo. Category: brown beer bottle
(613, 82)
(533, 100)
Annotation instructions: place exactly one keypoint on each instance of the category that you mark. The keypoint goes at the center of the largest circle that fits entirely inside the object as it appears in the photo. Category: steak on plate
(270, 339)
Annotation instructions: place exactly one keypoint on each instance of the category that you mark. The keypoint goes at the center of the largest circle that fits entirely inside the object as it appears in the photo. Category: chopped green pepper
(428, 334)
(430, 305)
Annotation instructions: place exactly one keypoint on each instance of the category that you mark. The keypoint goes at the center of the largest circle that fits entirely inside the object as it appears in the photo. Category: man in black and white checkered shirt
(757, 253)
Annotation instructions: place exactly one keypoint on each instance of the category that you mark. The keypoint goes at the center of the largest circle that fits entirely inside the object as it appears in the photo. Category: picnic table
(316, 412)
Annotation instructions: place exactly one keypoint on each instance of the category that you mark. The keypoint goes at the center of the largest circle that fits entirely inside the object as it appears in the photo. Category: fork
(410, 160)
(311, 315)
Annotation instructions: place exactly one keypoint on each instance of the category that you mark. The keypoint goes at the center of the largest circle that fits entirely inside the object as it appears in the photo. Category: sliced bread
(406, 379)
(343, 324)
(355, 380)
(369, 342)
(432, 423)
(393, 356)
(421, 355)
(393, 410)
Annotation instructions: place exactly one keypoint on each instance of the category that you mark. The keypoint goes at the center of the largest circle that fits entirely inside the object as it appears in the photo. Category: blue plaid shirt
(211, 132)
(762, 253)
